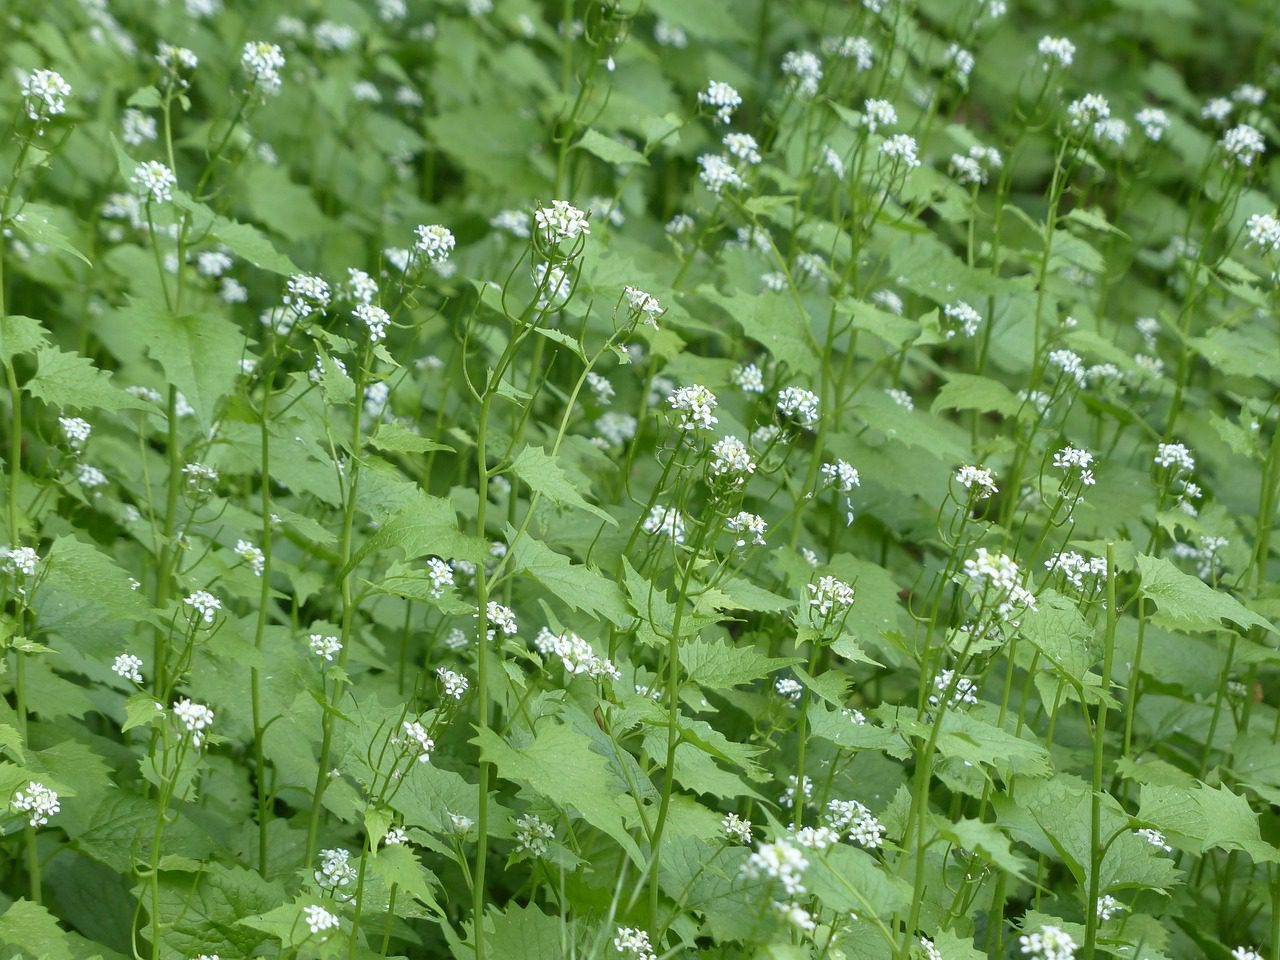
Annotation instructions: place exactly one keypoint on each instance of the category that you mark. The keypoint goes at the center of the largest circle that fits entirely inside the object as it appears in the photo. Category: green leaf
(70, 380)
(427, 526)
(29, 926)
(20, 335)
(965, 392)
(142, 710)
(773, 321)
(524, 932)
(1185, 602)
(398, 865)
(609, 150)
(37, 223)
(717, 663)
(986, 840)
(576, 584)
(544, 475)
(200, 355)
(1094, 221)
(560, 764)
(393, 438)
(1206, 818)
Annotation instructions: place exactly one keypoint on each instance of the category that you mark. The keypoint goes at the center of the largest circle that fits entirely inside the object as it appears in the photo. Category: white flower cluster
(645, 306)
(263, 62)
(778, 861)
(857, 49)
(561, 221)
(804, 71)
(128, 666)
(45, 93)
(38, 802)
(579, 658)
(1243, 144)
(75, 431)
(454, 684)
(1244, 953)
(320, 920)
(205, 604)
(901, 148)
(817, 838)
(500, 618)
(964, 691)
(665, 520)
(961, 318)
(877, 114)
(633, 943)
(799, 404)
(829, 593)
(1056, 51)
(1155, 838)
(980, 480)
(842, 475)
(154, 181)
(441, 576)
(1049, 943)
(1175, 455)
(533, 834)
(694, 404)
(974, 168)
(853, 818)
(305, 293)
(1075, 567)
(251, 555)
(374, 318)
(742, 146)
(417, 733)
(335, 868)
(1108, 907)
(718, 172)
(731, 458)
(435, 242)
(998, 574)
(22, 561)
(737, 829)
(1264, 232)
(747, 524)
(1084, 113)
(721, 98)
(1074, 458)
(196, 717)
(323, 646)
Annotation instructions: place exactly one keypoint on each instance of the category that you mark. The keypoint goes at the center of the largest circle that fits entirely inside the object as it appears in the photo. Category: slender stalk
(1096, 850)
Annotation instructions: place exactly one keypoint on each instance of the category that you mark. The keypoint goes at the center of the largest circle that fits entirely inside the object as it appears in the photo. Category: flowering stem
(264, 599)
(1096, 850)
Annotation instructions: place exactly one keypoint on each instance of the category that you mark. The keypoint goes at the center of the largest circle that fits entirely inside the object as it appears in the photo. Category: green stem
(1096, 850)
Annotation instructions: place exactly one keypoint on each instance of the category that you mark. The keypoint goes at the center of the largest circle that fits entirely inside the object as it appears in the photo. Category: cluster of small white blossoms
(998, 574)
(154, 181)
(798, 404)
(877, 114)
(975, 167)
(788, 798)
(435, 242)
(853, 818)
(804, 72)
(251, 555)
(324, 647)
(128, 666)
(414, 731)
(561, 221)
(721, 98)
(1245, 953)
(1074, 458)
(440, 574)
(979, 480)
(730, 458)
(695, 405)
(576, 655)
(196, 717)
(737, 829)
(643, 305)
(633, 943)
(375, 319)
(1155, 838)
(533, 834)
(75, 431)
(961, 61)
(748, 525)
(1056, 51)
(748, 378)
(842, 475)
(1264, 232)
(857, 49)
(136, 128)
(454, 684)
(38, 802)
(44, 94)
(1205, 556)
(964, 691)
(789, 688)
(204, 604)
(320, 920)
(176, 60)
(960, 317)
(1070, 363)
(742, 146)
(22, 561)
(1085, 113)
(665, 520)
(263, 62)
(901, 148)
(1049, 943)
(1109, 906)
(1242, 144)
(778, 861)
(553, 284)
(1075, 567)
(1174, 456)
(335, 868)
(90, 477)
(829, 593)
(500, 618)
(718, 172)
(305, 293)
(929, 949)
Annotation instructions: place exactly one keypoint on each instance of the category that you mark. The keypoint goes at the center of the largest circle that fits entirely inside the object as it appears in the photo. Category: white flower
(888, 300)
(213, 263)
(514, 222)
(90, 477)
(1068, 362)
(1073, 458)
(553, 284)
(790, 688)
(396, 837)
(262, 61)
(748, 524)
(829, 593)
(748, 378)
(853, 818)
(128, 666)
(901, 398)
(633, 943)
(857, 49)
(205, 604)
(670, 35)
(196, 717)
(335, 868)
(1264, 232)
(1243, 143)
(176, 59)
(965, 691)
(374, 318)
(996, 577)
(960, 314)
(500, 618)
(694, 404)
(324, 647)
(416, 732)
(154, 181)
(1242, 953)
(1153, 121)
(436, 242)
(45, 93)
(931, 952)
(721, 98)
(901, 147)
(743, 146)
(561, 221)
(643, 305)
(804, 70)
(679, 224)
(962, 60)
(305, 293)
(137, 128)
(455, 684)
(778, 861)
(1175, 455)
(1056, 51)
(533, 834)
(799, 404)
(841, 475)
(320, 920)
(1217, 110)
(38, 802)
(717, 172)
(335, 36)
(1075, 567)
(252, 555)
(736, 828)
(616, 428)
(665, 520)
(1109, 906)
(1082, 114)
(1155, 838)
(877, 114)
(730, 457)
(1050, 943)
(980, 478)
(796, 915)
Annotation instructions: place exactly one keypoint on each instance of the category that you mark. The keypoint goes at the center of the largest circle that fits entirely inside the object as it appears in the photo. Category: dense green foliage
(692, 478)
